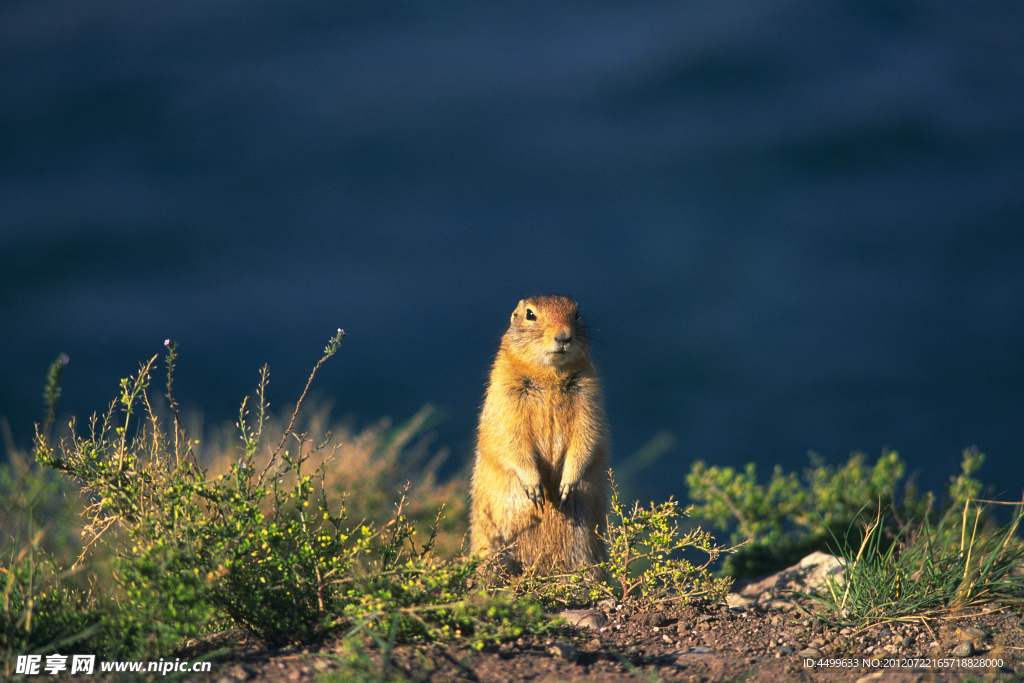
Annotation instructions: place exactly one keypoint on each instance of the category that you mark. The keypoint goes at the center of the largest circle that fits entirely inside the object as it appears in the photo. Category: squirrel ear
(515, 313)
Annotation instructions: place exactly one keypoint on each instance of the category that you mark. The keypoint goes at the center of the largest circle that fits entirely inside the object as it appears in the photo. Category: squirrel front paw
(566, 489)
(534, 491)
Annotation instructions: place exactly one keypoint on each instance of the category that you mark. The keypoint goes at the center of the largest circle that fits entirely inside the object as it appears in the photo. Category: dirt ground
(691, 643)
(763, 634)
(688, 643)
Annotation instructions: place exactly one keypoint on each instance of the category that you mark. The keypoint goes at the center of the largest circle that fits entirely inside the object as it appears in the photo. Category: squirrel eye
(530, 315)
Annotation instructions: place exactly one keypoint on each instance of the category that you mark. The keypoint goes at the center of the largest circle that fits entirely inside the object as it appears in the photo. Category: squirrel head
(548, 330)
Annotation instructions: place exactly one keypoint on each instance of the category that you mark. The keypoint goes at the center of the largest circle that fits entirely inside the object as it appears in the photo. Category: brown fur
(540, 481)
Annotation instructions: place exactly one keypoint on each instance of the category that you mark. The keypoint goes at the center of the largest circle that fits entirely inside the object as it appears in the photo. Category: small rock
(964, 649)
(971, 633)
(871, 677)
(584, 618)
(240, 673)
(810, 653)
(563, 651)
(810, 575)
(782, 651)
(737, 601)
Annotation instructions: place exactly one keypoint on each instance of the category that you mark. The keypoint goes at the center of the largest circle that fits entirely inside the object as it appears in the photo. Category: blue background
(791, 225)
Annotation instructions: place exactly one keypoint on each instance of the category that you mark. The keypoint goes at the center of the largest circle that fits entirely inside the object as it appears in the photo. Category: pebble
(563, 651)
(591, 619)
(971, 633)
(240, 673)
(871, 677)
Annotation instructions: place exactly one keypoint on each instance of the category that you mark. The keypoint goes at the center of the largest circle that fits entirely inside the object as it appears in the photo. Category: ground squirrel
(539, 488)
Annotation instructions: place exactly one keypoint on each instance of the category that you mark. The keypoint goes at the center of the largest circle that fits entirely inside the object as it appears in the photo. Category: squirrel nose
(564, 337)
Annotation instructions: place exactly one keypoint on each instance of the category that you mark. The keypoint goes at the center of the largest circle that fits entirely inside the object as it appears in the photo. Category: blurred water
(791, 225)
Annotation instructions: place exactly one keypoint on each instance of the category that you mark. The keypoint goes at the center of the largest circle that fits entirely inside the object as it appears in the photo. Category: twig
(331, 349)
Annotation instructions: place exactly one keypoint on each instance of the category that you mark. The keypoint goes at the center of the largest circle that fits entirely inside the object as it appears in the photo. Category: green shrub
(41, 609)
(43, 605)
(648, 562)
(259, 546)
(782, 521)
(646, 549)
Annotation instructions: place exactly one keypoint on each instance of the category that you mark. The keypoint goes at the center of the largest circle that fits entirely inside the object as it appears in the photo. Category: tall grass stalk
(927, 570)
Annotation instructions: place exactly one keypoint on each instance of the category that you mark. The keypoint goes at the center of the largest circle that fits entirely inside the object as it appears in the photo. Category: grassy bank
(133, 536)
